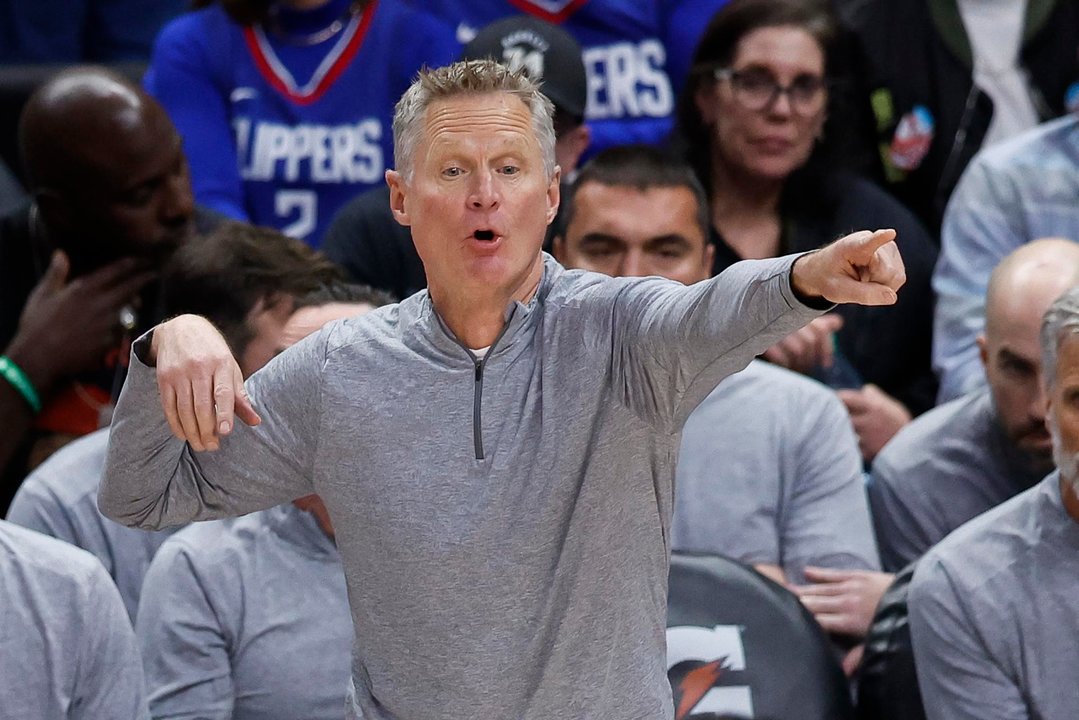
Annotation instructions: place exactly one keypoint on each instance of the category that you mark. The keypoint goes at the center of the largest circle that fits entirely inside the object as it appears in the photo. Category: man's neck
(476, 320)
(1069, 498)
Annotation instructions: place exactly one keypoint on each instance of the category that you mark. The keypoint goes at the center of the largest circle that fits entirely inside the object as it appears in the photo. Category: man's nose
(178, 204)
(634, 265)
(1038, 400)
(484, 195)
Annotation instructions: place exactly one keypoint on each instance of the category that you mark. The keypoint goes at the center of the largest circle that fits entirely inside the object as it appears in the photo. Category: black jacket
(888, 346)
(917, 53)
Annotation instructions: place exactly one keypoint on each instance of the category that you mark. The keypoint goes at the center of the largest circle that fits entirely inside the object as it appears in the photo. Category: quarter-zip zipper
(477, 408)
(477, 392)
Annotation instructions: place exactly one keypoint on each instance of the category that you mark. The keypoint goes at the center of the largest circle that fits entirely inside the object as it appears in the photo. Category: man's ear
(554, 194)
(558, 248)
(983, 350)
(398, 190)
(708, 260)
(55, 213)
(571, 147)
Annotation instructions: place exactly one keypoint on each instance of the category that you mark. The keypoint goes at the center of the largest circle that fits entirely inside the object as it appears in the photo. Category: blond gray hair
(468, 77)
(1060, 322)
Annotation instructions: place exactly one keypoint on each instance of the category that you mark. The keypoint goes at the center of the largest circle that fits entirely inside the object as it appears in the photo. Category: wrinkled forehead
(478, 119)
(635, 215)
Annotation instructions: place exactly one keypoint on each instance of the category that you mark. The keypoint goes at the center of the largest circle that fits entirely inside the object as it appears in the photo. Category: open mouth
(484, 235)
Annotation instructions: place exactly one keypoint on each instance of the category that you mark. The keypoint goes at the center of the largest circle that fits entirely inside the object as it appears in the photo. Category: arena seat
(740, 645)
(887, 683)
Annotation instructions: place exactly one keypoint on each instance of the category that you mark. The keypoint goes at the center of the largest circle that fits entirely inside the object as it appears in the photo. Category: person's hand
(843, 601)
(772, 572)
(863, 268)
(853, 659)
(68, 326)
(876, 416)
(808, 348)
(202, 388)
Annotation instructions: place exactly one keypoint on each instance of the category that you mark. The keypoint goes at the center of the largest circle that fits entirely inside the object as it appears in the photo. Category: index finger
(878, 239)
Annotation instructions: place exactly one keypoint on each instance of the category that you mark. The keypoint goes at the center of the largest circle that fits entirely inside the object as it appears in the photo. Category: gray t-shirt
(247, 619)
(66, 645)
(994, 617)
(949, 465)
(504, 524)
(59, 499)
(770, 472)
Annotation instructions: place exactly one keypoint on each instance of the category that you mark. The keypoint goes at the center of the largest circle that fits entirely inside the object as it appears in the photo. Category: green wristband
(14, 375)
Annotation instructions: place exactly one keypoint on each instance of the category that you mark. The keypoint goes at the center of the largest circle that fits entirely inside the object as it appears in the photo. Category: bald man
(110, 200)
(975, 452)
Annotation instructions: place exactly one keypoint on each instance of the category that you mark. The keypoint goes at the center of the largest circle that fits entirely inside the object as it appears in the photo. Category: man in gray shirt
(993, 616)
(248, 619)
(497, 452)
(768, 460)
(66, 646)
(975, 452)
(60, 497)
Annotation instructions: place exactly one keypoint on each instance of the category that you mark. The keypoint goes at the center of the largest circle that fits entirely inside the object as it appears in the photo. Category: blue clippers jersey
(284, 135)
(686, 23)
(629, 94)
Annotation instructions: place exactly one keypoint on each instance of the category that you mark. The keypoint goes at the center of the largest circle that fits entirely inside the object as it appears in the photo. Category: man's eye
(452, 172)
(510, 170)
(139, 197)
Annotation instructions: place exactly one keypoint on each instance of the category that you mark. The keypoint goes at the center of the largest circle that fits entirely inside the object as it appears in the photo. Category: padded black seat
(887, 683)
(740, 645)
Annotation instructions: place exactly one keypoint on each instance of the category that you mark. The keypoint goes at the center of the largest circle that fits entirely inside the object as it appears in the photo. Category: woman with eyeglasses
(753, 118)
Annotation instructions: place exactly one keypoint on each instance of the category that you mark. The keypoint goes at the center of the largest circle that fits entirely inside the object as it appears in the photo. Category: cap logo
(524, 50)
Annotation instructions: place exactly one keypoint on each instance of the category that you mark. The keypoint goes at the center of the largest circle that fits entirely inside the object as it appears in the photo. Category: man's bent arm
(153, 480)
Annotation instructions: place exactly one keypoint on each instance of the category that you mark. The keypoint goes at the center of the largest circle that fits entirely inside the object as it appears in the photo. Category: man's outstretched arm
(186, 442)
(674, 344)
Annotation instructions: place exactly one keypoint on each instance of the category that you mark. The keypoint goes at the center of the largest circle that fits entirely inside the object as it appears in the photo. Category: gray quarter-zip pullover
(504, 527)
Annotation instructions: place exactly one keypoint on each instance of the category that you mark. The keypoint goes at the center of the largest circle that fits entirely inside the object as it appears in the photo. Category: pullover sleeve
(153, 480)
(672, 344)
(185, 648)
(957, 674)
(108, 680)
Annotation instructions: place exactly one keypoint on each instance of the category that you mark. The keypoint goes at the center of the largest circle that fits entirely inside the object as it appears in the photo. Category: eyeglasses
(758, 89)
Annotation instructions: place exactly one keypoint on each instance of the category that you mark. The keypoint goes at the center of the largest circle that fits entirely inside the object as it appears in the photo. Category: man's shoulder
(50, 561)
(1050, 144)
(73, 473)
(215, 545)
(951, 435)
(996, 544)
(381, 325)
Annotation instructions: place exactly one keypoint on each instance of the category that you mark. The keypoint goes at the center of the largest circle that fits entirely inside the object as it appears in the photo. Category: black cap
(544, 51)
